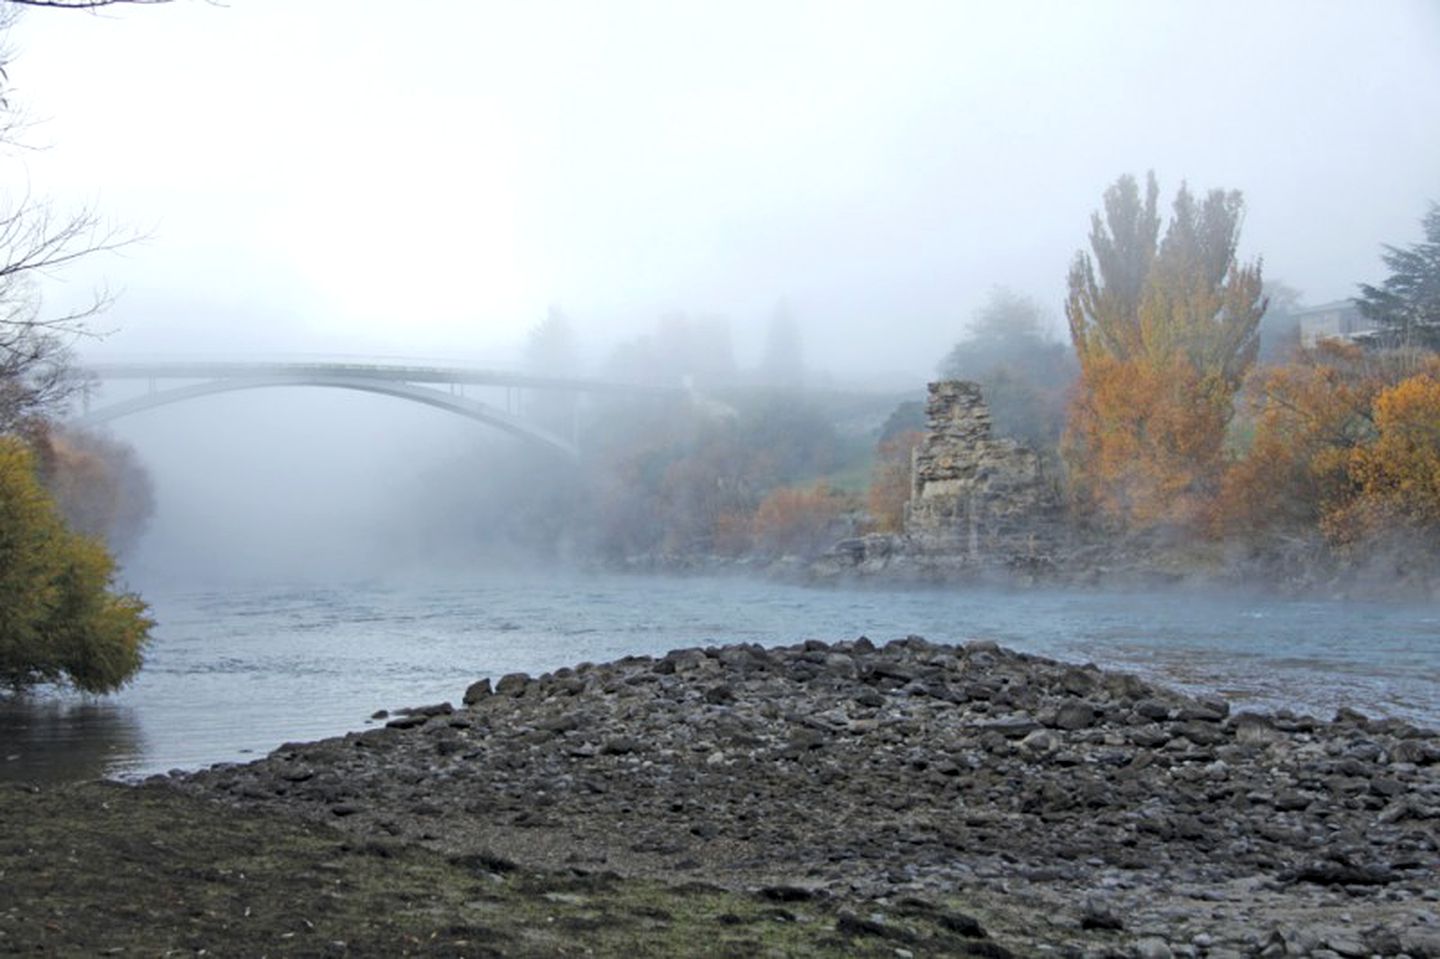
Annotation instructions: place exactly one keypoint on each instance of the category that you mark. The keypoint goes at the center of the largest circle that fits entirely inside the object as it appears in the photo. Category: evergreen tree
(1024, 372)
(1406, 306)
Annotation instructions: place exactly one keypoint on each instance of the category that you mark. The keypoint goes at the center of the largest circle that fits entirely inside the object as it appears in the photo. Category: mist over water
(235, 672)
(299, 485)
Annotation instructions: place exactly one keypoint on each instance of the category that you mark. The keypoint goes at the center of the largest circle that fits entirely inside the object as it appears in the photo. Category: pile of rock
(1087, 807)
(978, 505)
(973, 495)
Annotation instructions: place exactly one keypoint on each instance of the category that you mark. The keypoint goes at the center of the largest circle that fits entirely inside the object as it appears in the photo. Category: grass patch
(99, 868)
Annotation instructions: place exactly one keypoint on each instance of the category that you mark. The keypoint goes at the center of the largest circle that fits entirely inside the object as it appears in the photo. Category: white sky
(352, 176)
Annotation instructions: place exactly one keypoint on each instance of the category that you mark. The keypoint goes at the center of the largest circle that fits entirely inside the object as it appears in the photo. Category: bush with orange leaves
(1394, 481)
(1346, 445)
(799, 520)
(1307, 415)
(890, 481)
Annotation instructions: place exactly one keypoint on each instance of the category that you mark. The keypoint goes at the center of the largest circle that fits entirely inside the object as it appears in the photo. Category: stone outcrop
(978, 504)
(973, 494)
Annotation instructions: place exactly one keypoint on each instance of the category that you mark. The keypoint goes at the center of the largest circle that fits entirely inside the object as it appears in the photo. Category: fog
(287, 485)
(342, 179)
(342, 176)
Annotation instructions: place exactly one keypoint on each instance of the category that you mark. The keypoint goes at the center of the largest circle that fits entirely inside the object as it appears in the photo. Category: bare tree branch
(37, 374)
(78, 4)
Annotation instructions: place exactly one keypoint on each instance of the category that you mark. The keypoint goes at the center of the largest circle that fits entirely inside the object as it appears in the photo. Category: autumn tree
(97, 482)
(1344, 459)
(1164, 330)
(891, 480)
(60, 619)
(1307, 416)
(686, 479)
(1394, 480)
(708, 492)
(801, 521)
(1406, 306)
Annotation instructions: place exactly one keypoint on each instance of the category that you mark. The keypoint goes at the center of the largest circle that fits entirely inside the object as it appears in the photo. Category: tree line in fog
(1185, 408)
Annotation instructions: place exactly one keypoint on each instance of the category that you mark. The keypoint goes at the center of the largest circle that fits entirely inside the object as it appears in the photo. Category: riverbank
(104, 869)
(1059, 807)
(1304, 571)
(882, 560)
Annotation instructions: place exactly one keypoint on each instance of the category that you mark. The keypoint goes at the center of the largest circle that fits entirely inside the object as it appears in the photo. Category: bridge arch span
(460, 405)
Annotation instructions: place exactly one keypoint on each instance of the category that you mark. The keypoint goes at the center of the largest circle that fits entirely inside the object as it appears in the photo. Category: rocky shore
(1041, 808)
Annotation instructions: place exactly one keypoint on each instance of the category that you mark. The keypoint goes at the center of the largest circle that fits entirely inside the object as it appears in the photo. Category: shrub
(798, 521)
(890, 481)
(60, 621)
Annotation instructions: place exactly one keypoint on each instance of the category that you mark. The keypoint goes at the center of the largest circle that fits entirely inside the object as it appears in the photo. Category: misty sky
(426, 178)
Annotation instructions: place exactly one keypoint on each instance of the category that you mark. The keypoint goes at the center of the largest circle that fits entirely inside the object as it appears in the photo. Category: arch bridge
(442, 387)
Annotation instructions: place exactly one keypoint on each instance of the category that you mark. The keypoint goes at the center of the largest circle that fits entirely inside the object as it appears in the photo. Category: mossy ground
(103, 869)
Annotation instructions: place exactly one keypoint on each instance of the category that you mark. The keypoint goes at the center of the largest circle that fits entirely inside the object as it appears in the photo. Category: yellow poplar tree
(1164, 330)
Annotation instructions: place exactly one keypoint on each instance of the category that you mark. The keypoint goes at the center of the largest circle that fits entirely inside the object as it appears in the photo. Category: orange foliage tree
(1395, 480)
(686, 481)
(1165, 330)
(1148, 439)
(798, 520)
(1307, 415)
(1346, 443)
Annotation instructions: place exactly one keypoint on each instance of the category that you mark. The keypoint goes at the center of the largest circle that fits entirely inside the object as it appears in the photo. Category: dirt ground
(112, 870)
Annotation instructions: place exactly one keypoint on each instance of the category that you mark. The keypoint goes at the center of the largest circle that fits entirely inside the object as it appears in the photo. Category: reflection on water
(233, 674)
(50, 738)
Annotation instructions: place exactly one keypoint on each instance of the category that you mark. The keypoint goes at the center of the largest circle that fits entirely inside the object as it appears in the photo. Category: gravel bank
(1074, 812)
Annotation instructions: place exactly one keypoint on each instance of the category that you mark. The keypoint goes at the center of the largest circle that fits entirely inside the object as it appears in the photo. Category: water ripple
(233, 674)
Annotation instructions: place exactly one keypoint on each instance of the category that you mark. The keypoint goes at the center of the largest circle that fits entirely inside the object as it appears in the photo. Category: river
(232, 673)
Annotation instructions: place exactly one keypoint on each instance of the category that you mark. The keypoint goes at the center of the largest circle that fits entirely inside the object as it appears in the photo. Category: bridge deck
(207, 370)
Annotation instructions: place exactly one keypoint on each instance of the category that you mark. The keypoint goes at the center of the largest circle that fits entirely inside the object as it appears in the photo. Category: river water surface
(233, 673)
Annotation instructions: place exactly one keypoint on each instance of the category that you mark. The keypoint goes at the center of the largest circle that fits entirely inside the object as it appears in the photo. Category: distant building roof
(1337, 320)
(1333, 306)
